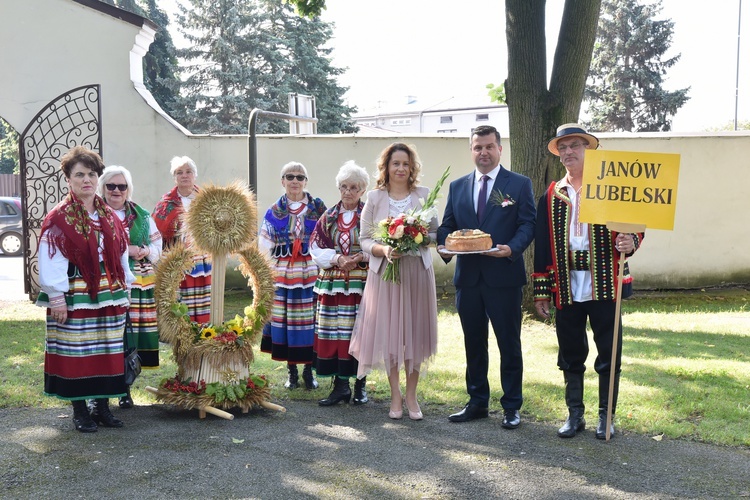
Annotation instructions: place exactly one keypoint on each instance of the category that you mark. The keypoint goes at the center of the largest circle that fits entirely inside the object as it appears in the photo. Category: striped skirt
(333, 330)
(289, 336)
(195, 290)
(84, 356)
(143, 314)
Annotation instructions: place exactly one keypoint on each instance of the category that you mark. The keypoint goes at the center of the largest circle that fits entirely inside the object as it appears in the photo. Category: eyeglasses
(121, 187)
(291, 177)
(352, 189)
(575, 145)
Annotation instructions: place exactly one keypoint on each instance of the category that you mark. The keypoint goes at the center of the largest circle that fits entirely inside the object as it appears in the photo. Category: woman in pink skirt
(396, 326)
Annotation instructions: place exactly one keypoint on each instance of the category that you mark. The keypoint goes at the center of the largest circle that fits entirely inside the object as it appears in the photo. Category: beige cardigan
(376, 209)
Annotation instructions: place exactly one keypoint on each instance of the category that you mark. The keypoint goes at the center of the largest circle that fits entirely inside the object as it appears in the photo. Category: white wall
(66, 45)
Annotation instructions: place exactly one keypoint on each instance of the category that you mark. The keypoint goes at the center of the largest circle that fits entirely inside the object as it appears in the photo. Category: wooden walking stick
(620, 227)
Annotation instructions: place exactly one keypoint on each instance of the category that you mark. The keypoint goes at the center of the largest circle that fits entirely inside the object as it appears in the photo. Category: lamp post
(737, 79)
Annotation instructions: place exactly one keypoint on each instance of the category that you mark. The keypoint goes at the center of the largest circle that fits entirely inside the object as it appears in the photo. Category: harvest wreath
(213, 359)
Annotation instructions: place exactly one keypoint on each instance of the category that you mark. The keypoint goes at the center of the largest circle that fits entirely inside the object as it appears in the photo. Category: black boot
(601, 428)
(360, 392)
(309, 378)
(82, 418)
(292, 381)
(574, 400)
(126, 401)
(340, 392)
(102, 414)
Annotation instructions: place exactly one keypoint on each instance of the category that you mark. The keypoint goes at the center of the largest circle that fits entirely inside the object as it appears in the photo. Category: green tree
(729, 126)
(625, 87)
(536, 109)
(496, 92)
(160, 69)
(251, 54)
(9, 161)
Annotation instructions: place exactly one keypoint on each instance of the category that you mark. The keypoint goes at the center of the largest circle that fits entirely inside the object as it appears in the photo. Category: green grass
(686, 366)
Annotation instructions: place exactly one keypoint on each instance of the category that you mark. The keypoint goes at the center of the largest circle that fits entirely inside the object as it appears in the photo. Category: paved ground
(347, 452)
(342, 452)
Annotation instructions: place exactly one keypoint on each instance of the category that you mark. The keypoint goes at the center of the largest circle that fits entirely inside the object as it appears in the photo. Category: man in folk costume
(576, 264)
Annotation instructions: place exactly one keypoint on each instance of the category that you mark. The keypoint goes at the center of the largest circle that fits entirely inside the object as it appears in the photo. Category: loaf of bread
(468, 240)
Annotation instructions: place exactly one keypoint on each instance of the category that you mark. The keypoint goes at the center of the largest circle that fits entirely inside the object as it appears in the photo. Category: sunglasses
(121, 187)
(291, 177)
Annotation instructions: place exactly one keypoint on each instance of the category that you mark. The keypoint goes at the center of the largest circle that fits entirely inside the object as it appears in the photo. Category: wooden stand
(202, 410)
(218, 280)
(620, 227)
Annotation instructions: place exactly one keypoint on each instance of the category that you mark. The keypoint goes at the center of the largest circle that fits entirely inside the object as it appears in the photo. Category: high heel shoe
(415, 415)
(397, 414)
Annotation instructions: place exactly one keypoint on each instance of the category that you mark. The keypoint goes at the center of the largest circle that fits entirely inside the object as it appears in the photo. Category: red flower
(395, 224)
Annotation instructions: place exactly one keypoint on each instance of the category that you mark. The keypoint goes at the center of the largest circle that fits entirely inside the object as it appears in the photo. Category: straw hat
(572, 130)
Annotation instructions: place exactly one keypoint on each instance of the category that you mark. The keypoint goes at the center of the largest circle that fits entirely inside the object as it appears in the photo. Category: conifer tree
(625, 84)
(160, 71)
(9, 163)
(249, 54)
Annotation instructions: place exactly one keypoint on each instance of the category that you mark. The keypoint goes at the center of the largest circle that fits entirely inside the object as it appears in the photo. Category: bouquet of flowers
(406, 232)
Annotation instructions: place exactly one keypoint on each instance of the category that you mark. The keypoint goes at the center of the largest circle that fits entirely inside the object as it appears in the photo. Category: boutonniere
(503, 200)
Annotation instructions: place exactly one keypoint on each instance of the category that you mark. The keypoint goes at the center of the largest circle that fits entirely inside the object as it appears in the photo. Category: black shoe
(601, 428)
(511, 419)
(340, 392)
(360, 392)
(470, 412)
(309, 378)
(573, 425)
(81, 417)
(126, 402)
(292, 380)
(102, 414)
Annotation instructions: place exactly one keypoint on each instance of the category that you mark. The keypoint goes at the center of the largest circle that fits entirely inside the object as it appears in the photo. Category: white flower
(410, 220)
(398, 233)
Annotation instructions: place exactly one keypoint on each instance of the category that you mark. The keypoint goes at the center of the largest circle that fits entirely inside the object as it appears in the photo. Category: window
(447, 131)
(483, 117)
(401, 121)
(446, 119)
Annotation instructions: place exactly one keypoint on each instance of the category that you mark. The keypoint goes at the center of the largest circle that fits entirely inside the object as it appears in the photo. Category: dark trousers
(501, 307)
(570, 324)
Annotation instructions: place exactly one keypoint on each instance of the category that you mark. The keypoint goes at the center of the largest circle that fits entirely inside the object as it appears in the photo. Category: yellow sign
(630, 187)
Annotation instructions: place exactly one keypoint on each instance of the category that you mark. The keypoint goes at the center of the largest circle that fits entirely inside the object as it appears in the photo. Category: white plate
(451, 252)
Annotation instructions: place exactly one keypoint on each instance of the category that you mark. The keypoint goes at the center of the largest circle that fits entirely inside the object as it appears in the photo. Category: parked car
(11, 229)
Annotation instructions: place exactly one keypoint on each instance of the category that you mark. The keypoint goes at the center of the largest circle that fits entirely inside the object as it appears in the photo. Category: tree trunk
(534, 110)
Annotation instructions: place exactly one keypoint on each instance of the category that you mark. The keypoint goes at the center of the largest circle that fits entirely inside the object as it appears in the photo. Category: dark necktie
(482, 201)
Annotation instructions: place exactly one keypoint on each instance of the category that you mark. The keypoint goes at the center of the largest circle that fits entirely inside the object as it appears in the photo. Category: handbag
(132, 358)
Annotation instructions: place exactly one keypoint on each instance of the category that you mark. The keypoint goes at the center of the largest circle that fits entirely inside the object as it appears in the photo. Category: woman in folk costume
(116, 188)
(396, 326)
(343, 271)
(84, 278)
(195, 289)
(285, 237)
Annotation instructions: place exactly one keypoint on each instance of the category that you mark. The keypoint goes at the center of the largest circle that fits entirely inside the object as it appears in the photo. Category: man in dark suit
(488, 286)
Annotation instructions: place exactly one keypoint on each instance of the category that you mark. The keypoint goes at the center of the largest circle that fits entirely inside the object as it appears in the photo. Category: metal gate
(71, 119)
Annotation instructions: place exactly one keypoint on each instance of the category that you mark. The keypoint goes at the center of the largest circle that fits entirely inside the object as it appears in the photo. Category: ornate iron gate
(71, 119)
